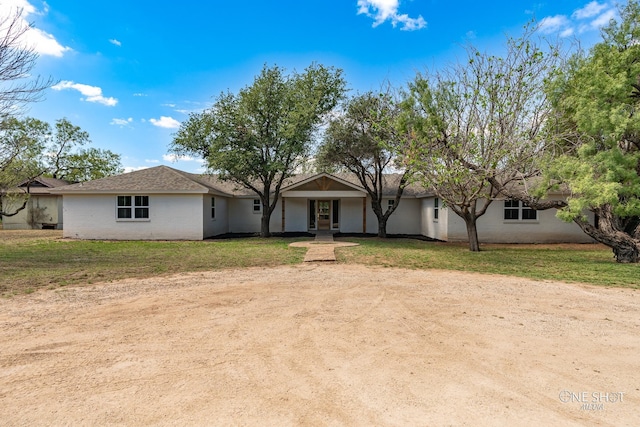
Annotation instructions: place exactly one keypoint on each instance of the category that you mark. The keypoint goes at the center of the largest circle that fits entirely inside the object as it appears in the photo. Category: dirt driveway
(322, 344)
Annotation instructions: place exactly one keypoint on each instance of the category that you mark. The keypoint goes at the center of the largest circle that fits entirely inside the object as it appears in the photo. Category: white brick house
(163, 203)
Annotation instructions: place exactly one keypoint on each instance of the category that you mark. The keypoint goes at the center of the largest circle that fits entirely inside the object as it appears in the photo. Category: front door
(324, 215)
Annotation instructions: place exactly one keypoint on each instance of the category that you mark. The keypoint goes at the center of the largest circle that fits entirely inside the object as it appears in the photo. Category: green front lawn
(33, 260)
(586, 263)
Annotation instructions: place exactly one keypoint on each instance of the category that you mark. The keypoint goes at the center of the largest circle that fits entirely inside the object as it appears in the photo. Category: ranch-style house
(163, 203)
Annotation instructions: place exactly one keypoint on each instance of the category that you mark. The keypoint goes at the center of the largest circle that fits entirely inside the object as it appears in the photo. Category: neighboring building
(163, 203)
(43, 210)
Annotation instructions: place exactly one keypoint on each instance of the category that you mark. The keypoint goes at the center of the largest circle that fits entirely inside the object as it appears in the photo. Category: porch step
(324, 237)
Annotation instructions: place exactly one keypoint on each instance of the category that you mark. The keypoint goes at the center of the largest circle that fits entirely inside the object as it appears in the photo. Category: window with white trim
(132, 207)
(213, 208)
(436, 208)
(514, 210)
(391, 203)
(257, 206)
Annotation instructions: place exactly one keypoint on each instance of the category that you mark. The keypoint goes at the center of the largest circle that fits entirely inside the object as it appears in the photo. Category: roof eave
(125, 191)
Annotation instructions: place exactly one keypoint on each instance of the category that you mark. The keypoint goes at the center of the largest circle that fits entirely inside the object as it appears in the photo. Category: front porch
(347, 215)
(324, 203)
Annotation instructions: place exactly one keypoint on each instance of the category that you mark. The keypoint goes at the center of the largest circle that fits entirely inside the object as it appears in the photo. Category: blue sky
(129, 72)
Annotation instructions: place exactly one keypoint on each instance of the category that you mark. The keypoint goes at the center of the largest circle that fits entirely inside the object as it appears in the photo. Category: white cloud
(387, 10)
(40, 41)
(92, 93)
(26, 7)
(166, 122)
(591, 9)
(115, 42)
(552, 24)
(44, 43)
(121, 122)
(567, 32)
(603, 19)
(139, 94)
(592, 16)
(176, 158)
(151, 161)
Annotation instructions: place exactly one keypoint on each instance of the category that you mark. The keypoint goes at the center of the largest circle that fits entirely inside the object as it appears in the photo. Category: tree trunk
(264, 223)
(376, 207)
(627, 253)
(626, 248)
(472, 233)
(382, 227)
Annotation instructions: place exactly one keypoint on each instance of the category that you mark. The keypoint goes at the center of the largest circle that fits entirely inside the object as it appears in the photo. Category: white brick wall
(171, 217)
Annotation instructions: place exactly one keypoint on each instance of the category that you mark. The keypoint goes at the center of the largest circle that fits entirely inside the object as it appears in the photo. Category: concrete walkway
(322, 248)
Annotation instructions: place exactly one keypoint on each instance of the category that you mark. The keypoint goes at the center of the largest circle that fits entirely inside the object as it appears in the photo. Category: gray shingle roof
(43, 185)
(159, 179)
(164, 179)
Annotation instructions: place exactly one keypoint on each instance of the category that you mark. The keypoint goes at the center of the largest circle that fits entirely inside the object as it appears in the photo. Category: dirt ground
(322, 344)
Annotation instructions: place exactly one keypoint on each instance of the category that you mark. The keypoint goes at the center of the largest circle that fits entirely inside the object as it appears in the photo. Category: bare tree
(17, 88)
(479, 123)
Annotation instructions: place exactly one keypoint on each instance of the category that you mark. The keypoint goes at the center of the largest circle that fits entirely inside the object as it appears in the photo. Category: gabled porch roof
(323, 185)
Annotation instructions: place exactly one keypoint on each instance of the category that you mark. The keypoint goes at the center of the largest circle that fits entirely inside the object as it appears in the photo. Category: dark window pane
(142, 200)
(142, 212)
(511, 214)
(436, 203)
(511, 203)
(124, 212)
(436, 213)
(124, 200)
(529, 214)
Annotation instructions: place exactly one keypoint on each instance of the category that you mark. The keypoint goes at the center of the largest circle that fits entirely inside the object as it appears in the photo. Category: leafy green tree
(596, 103)
(258, 137)
(30, 148)
(91, 163)
(366, 141)
(478, 125)
(21, 148)
(68, 160)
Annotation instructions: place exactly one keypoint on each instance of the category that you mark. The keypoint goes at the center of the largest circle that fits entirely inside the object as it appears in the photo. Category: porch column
(364, 215)
(283, 214)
